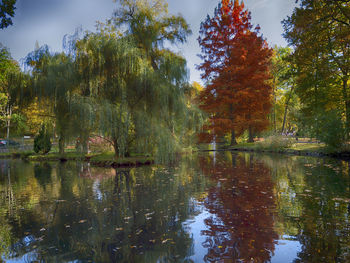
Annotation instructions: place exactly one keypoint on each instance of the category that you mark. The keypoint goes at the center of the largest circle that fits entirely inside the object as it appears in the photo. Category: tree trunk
(233, 138)
(85, 147)
(347, 107)
(8, 121)
(61, 144)
(84, 141)
(284, 118)
(116, 148)
(251, 135)
(274, 105)
(286, 110)
(233, 135)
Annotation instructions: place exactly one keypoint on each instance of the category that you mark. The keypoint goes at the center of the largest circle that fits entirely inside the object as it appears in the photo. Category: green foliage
(7, 11)
(285, 101)
(42, 142)
(318, 31)
(56, 80)
(137, 84)
(274, 142)
(120, 83)
(332, 131)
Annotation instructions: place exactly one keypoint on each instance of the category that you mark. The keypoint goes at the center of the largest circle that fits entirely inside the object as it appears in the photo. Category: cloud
(260, 4)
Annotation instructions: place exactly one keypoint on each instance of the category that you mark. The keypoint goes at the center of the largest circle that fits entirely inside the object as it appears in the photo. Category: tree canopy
(236, 68)
(7, 11)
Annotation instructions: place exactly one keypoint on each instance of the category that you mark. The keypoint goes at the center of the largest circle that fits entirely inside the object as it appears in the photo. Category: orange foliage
(236, 68)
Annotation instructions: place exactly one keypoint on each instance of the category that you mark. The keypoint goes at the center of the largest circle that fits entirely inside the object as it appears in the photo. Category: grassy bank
(285, 147)
(99, 159)
(312, 149)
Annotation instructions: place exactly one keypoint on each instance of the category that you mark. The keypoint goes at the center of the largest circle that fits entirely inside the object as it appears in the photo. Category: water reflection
(65, 212)
(242, 207)
(236, 208)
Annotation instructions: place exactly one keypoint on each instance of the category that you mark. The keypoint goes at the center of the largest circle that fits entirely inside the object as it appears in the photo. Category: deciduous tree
(236, 68)
(319, 33)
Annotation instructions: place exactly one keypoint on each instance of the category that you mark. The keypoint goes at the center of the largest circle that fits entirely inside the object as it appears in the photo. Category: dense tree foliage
(120, 83)
(236, 68)
(319, 33)
(284, 117)
(7, 11)
(12, 81)
(55, 79)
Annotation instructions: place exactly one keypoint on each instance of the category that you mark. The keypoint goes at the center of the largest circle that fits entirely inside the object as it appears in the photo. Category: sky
(47, 21)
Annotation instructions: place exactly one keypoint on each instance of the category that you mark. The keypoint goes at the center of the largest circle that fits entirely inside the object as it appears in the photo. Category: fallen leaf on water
(341, 199)
(82, 221)
(119, 229)
(43, 229)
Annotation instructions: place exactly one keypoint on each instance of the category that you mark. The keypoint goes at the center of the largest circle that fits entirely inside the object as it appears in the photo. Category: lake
(215, 207)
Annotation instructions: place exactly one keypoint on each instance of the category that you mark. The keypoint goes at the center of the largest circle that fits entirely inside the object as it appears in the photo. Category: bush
(274, 142)
(332, 131)
(42, 142)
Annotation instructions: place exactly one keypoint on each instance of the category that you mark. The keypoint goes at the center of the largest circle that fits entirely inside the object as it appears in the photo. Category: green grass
(295, 148)
(309, 147)
(101, 159)
(53, 156)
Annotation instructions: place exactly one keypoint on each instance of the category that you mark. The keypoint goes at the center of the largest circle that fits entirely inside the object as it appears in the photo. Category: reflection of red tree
(242, 204)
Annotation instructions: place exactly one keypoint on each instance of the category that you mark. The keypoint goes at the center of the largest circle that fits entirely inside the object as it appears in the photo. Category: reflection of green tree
(325, 236)
(242, 204)
(128, 216)
(314, 202)
(42, 172)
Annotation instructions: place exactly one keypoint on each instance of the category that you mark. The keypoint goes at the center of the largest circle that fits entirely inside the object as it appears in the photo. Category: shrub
(332, 131)
(42, 142)
(274, 142)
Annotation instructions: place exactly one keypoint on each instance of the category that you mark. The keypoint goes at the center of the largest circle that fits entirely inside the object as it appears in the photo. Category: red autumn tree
(236, 70)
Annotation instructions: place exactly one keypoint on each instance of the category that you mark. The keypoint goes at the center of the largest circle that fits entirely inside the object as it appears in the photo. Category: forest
(124, 88)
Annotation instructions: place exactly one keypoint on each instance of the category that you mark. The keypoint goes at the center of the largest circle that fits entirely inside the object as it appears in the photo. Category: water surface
(225, 207)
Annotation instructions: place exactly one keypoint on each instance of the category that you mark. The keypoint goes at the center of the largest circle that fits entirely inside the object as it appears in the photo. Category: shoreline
(345, 156)
(98, 160)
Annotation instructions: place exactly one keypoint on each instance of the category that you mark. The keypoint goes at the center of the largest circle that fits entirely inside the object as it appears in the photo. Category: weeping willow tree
(55, 78)
(121, 83)
(137, 83)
